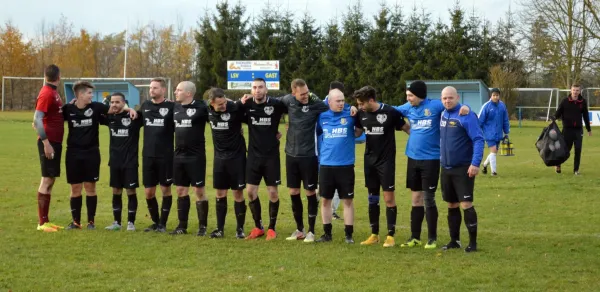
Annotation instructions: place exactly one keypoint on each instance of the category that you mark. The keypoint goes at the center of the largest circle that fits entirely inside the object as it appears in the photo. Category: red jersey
(50, 104)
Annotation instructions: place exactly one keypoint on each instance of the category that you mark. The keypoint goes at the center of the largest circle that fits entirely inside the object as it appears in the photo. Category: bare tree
(572, 49)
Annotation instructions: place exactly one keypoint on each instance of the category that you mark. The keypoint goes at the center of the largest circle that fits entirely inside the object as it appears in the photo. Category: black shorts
(422, 175)
(191, 171)
(229, 173)
(50, 167)
(268, 168)
(382, 175)
(157, 170)
(302, 169)
(82, 166)
(457, 186)
(124, 177)
(340, 178)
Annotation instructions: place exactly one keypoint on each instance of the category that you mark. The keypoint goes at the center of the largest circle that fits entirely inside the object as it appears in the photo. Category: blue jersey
(337, 146)
(493, 119)
(424, 140)
(461, 139)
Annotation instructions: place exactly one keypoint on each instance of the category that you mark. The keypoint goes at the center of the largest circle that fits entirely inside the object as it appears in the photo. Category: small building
(471, 92)
(107, 88)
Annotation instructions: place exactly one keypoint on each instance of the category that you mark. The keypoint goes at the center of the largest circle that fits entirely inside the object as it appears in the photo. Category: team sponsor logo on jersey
(343, 121)
(126, 122)
(420, 124)
(89, 112)
(374, 131)
(220, 125)
(427, 112)
(185, 123)
(305, 109)
(335, 133)
(225, 117)
(119, 132)
(83, 123)
(155, 122)
(269, 110)
(190, 112)
(163, 111)
(261, 121)
(381, 118)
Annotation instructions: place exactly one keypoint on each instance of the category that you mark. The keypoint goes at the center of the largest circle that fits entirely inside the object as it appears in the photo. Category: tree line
(542, 43)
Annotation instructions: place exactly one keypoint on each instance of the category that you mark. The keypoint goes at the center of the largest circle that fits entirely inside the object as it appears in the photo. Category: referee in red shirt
(49, 123)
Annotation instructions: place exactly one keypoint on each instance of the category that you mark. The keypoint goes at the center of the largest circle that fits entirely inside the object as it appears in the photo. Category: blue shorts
(492, 143)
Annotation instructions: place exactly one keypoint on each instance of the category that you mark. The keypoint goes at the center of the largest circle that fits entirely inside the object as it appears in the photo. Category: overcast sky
(109, 16)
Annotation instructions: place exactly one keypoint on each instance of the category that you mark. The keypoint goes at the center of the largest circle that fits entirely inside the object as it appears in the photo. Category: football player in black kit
(229, 164)
(379, 121)
(189, 163)
(123, 161)
(263, 115)
(157, 161)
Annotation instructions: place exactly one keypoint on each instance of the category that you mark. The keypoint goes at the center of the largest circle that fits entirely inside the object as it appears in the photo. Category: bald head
(449, 97)
(185, 91)
(336, 100)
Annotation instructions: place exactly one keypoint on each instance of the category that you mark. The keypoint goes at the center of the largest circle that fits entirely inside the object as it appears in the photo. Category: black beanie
(418, 88)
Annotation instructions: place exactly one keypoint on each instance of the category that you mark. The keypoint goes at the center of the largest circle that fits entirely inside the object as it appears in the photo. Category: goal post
(30, 88)
(536, 103)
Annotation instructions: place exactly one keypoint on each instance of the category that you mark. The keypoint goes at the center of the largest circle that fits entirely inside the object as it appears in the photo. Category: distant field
(537, 231)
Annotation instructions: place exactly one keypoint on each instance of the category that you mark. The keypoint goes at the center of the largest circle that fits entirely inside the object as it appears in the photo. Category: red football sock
(43, 207)
(40, 208)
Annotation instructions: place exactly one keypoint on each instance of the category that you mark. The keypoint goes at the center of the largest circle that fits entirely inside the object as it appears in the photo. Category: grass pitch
(537, 231)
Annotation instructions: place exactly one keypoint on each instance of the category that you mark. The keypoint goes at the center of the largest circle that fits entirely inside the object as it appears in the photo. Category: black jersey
(83, 125)
(379, 127)
(227, 131)
(124, 140)
(190, 122)
(263, 125)
(158, 128)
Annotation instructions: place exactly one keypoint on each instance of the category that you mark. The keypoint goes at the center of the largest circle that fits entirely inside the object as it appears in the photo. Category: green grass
(537, 231)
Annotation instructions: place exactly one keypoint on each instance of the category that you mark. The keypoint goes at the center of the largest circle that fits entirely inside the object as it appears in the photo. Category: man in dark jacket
(461, 149)
(572, 109)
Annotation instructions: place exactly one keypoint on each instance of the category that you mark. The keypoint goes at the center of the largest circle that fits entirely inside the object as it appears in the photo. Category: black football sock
(454, 218)
(273, 211)
(117, 204)
(297, 209)
(221, 208)
(417, 214)
(183, 211)
(202, 211)
(391, 215)
(76, 203)
(167, 201)
(256, 210)
(349, 230)
(132, 205)
(471, 223)
(431, 214)
(327, 228)
(240, 214)
(91, 202)
(374, 213)
(153, 209)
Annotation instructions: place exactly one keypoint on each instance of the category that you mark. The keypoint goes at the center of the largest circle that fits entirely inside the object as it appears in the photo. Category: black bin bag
(552, 146)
